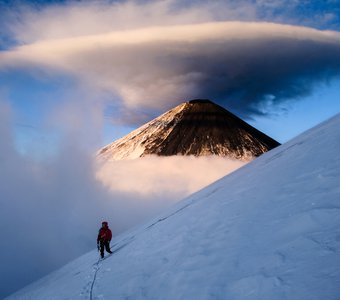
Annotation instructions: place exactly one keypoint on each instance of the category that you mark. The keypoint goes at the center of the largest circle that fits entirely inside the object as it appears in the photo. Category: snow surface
(269, 231)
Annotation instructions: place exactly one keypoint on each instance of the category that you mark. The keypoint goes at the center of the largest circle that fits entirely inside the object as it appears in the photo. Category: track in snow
(96, 266)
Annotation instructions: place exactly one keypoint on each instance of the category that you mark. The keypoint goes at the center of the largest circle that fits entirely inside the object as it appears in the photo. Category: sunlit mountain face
(197, 127)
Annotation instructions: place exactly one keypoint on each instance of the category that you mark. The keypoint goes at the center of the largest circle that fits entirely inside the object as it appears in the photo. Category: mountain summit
(197, 127)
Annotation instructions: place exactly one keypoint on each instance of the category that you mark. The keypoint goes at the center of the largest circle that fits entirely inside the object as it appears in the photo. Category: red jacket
(104, 234)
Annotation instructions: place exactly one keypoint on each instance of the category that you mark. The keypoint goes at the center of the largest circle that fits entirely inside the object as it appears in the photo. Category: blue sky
(96, 70)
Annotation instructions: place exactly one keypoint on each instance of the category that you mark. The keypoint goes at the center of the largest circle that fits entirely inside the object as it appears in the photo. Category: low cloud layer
(49, 211)
(177, 54)
(165, 178)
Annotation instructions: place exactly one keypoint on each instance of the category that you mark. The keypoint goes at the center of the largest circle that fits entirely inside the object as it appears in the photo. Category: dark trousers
(106, 245)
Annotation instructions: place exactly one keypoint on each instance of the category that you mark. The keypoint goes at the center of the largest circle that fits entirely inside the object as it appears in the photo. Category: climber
(103, 239)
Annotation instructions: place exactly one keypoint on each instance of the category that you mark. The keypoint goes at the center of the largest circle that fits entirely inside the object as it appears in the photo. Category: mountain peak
(197, 127)
(200, 101)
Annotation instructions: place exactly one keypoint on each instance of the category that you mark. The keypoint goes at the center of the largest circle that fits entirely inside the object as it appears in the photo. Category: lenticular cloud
(243, 65)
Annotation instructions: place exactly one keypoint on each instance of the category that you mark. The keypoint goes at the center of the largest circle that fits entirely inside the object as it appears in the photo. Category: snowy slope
(269, 231)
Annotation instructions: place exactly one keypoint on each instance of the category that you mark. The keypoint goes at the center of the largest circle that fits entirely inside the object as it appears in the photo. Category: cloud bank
(157, 55)
(49, 211)
(165, 178)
